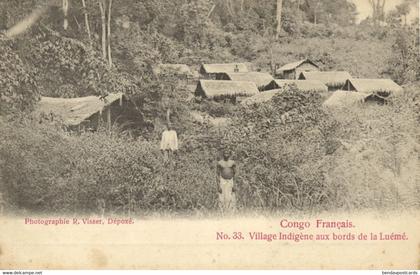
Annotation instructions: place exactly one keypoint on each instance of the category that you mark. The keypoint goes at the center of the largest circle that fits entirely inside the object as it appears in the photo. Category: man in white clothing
(169, 142)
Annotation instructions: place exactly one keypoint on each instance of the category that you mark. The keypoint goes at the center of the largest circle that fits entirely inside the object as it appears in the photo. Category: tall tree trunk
(103, 21)
(109, 34)
(65, 11)
(272, 65)
(315, 11)
(278, 17)
(382, 10)
(86, 19)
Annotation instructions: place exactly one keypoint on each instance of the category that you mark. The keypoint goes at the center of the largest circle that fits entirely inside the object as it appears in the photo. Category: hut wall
(373, 99)
(333, 89)
(210, 76)
(119, 113)
(294, 73)
(222, 76)
(348, 86)
(288, 74)
(199, 91)
(305, 67)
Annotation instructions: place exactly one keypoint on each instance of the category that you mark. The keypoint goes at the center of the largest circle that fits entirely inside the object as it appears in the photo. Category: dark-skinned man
(226, 169)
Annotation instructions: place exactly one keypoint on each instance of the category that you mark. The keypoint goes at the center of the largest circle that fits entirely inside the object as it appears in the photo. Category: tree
(105, 7)
(18, 88)
(108, 34)
(313, 9)
(278, 17)
(403, 65)
(102, 7)
(342, 12)
(86, 16)
(403, 10)
(378, 10)
(65, 12)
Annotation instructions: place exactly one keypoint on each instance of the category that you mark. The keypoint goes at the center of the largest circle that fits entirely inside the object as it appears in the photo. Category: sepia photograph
(176, 134)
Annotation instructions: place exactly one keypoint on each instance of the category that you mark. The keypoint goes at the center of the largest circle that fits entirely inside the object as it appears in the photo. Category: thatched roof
(181, 69)
(331, 78)
(344, 99)
(294, 65)
(223, 68)
(261, 97)
(74, 111)
(372, 85)
(302, 85)
(222, 88)
(260, 79)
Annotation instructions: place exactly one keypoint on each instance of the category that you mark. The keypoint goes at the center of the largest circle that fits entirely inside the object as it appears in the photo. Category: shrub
(376, 164)
(290, 152)
(18, 88)
(45, 169)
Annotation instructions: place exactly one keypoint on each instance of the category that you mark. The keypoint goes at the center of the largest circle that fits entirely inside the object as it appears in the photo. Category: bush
(216, 109)
(280, 148)
(49, 170)
(290, 153)
(377, 163)
(18, 88)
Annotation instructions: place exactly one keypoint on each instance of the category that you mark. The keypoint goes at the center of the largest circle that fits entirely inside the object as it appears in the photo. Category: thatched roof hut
(372, 86)
(260, 79)
(74, 111)
(333, 79)
(293, 70)
(225, 88)
(177, 69)
(340, 99)
(376, 90)
(302, 85)
(261, 97)
(212, 70)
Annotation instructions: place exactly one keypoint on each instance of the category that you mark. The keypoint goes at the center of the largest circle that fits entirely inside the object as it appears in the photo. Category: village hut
(260, 79)
(302, 85)
(340, 99)
(293, 70)
(375, 89)
(213, 71)
(261, 97)
(82, 112)
(180, 70)
(334, 80)
(379, 86)
(225, 89)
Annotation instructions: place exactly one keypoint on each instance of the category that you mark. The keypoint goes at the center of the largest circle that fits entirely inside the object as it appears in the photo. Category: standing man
(226, 169)
(169, 142)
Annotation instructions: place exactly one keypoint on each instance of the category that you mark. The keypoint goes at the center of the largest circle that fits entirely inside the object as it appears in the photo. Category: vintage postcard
(210, 134)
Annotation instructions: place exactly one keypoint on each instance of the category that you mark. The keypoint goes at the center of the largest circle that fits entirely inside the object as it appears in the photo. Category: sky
(364, 9)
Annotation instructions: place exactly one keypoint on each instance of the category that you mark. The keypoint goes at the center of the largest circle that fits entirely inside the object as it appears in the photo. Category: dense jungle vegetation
(364, 157)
